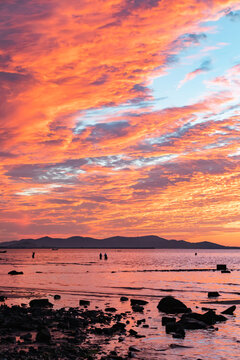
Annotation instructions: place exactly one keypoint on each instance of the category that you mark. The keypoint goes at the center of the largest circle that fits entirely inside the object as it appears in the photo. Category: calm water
(79, 274)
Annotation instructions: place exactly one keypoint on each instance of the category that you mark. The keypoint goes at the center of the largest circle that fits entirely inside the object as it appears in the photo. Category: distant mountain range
(116, 242)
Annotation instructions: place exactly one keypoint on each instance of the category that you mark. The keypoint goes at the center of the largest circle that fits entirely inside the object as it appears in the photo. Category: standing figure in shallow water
(105, 256)
(100, 256)
(33, 255)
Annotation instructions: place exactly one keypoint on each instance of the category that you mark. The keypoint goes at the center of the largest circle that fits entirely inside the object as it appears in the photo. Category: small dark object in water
(138, 302)
(105, 256)
(14, 272)
(57, 297)
(2, 298)
(33, 255)
(132, 332)
(229, 311)
(84, 302)
(3, 251)
(100, 256)
(40, 303)
(213, 294)
(195, 254)
(225, 271)
(137, 308)
(110, 309)
(221, 267)
(123, 298)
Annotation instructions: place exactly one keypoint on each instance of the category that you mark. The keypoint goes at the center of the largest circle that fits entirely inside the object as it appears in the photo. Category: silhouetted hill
(115, 242)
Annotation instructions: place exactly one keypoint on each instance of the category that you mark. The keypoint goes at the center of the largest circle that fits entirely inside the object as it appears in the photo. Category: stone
(40, 303)
(221, 267)
(57, 297)
(84, 302)
(137, 308)
(43, 335)
(170, 305)
(14, 272)
(2, 298)
(26, 337)
(166, 320)
(192, 324)
(123, 298)
(110, 309)
(229, 311)
(213, 294)
(225, 271)
(132, 332)
(210, 317)
(138, 302)
(134, 349)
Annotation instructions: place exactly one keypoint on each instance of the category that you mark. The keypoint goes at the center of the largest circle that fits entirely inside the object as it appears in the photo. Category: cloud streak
(87, 148)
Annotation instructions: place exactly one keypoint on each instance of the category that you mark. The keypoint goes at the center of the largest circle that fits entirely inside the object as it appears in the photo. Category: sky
(120, 117)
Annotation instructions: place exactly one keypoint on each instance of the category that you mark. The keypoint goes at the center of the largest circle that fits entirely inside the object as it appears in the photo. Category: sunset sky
(120, 117)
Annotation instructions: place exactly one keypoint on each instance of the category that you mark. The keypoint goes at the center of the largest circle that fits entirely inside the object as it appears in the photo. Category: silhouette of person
(105, 256)
(100, 256)
(33, 255)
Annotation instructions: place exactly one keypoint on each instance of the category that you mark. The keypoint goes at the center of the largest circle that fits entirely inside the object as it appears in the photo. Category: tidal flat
(106, 326)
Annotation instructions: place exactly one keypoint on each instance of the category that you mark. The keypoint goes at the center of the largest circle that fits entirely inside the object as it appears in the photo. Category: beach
(147, 275)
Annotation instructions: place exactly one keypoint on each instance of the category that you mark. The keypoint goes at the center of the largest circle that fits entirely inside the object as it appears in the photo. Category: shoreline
(91, 331)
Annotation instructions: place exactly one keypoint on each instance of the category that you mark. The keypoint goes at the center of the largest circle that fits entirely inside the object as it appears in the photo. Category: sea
(147, 274)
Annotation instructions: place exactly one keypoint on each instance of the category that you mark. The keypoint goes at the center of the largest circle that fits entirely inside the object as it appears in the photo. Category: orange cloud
(133, 169)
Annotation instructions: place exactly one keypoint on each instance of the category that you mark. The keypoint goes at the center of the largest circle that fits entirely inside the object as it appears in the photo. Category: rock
(43, 335)
(132, 332)
(177, 328)
(123, 298)
(2, 298)
(27, 336)
(14, 272)
(145, 326)
(192, 324)
(131, 355)
(225, 271)
(170, 305)
(110, 309)
(140, 321)
(229, 311)
(84, 302)
(134, 349)
(166, 320)
(213, 294)
(211, 317)
(221, 267)
(57, 297)
(137, 308)
(138, 302)
(40, 303)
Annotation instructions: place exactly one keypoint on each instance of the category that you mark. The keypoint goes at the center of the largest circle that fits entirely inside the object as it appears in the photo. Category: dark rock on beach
(170, 305)
(57, 297)
(167, 320)
(138, 302)
(14, 272)
(123, 298)
(230, 310)
(36, 303)
(84, 302)
(213, 294)
(43, 335)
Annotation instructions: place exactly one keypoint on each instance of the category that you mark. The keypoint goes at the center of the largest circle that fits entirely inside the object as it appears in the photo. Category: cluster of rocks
(189, 320)
(39, 332)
